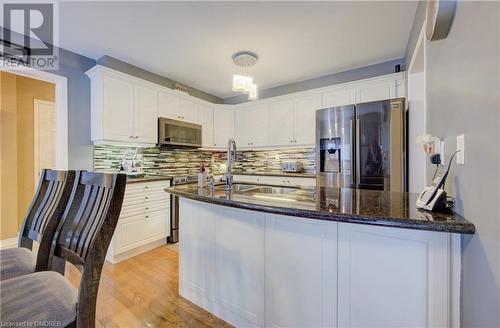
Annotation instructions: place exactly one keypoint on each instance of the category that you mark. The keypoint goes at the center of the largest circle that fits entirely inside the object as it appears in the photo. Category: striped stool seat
(16, 262)
(38, 298)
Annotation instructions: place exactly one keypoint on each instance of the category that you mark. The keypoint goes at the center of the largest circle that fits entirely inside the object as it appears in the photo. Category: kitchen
(280, 186)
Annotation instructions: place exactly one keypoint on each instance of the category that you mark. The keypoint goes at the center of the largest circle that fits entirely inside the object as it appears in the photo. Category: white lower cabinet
(239, 263)
(301, 270)
(392, 277)
(256, 269)
(144, 220)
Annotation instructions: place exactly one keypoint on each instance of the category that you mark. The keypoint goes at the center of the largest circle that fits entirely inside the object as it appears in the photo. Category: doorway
(44, 137)
(29, 142)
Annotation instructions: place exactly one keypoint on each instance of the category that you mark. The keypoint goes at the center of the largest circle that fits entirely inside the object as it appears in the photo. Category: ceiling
(192, 42)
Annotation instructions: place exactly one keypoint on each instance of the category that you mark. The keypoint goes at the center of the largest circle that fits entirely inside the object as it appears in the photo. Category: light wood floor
(143, 291)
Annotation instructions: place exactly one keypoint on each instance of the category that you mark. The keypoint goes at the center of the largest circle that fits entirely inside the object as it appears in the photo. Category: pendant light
(242, 80)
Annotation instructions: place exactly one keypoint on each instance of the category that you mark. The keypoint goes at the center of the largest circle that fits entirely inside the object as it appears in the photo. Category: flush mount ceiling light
(242, 79)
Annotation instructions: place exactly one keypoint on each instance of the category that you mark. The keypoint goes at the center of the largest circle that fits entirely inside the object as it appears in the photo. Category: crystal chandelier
(242, 81)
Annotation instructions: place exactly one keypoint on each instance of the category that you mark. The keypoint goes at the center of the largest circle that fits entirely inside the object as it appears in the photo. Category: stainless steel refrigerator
(362, 146)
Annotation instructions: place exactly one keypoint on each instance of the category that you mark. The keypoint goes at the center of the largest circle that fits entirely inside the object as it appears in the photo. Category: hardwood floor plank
(143, 291)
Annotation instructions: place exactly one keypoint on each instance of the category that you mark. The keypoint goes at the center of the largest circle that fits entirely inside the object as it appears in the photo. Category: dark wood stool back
(85, 232)
(45, 213)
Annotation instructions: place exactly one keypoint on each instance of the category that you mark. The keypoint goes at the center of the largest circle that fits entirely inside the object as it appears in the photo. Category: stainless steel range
(174, 208)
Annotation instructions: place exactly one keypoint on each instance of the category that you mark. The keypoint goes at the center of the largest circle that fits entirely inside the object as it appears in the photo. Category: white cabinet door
(189, 111)
(392, 277)
(145, 114)
(339, 97)
(281, 123)
(240, 262)
(251, 126)
(242, 127)
(197, 250)
(301, 270)
(305, 119)
(223, 126)
(118, 109)
(169, 105)
(374, 91)
(206, 120)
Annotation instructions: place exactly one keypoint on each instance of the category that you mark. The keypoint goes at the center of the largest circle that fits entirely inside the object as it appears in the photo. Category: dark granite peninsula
(270, 256)
(372, 207)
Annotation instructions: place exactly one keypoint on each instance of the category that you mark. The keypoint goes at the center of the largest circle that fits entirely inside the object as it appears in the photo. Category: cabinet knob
(131, 136)
(146, 197)
(146, 208)
(147, 216)
(295, 141)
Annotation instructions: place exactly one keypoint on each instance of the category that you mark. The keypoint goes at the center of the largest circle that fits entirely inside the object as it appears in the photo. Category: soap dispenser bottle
(202, 176)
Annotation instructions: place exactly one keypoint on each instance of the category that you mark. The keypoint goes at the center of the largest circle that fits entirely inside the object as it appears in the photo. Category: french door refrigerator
(362, 146)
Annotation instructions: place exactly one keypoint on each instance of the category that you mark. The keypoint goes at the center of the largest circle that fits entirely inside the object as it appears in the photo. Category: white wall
(463, 97)
(416, 156)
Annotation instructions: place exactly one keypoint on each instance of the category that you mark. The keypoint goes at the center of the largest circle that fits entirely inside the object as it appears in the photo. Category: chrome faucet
(231, 156)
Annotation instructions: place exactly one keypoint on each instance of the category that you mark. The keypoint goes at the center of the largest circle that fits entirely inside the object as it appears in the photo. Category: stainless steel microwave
(178, 133)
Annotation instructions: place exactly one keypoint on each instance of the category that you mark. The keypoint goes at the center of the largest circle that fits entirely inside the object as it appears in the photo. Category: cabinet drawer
(146, 197)
(143, 208)
(141, 229)
(135, 188)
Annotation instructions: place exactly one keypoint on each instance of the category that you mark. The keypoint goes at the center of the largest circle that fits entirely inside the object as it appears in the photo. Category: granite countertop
(150, 178)
(278, 174)
(382, 208)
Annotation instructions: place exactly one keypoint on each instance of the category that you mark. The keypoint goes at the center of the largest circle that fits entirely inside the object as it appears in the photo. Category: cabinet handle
(131, 136)
(146, 208)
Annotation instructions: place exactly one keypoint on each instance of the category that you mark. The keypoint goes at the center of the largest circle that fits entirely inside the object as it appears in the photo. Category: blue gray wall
(129, 69)
(336, 78)
(463, 84)
(80, 148)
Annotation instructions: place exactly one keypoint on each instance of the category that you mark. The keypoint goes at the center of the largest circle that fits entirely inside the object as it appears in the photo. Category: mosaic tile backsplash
(178, 162)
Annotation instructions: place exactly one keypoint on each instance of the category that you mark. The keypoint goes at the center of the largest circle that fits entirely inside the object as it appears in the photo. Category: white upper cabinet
(292, 121)
(281, 123)
(115, 110)
(189, 111)
(206, 120)
(380, 89)
(146, 113)
(123, 109)
(305, 119)
(251, 126)
(339, 97)
(223, 125)
(168, 104)
(177, 106)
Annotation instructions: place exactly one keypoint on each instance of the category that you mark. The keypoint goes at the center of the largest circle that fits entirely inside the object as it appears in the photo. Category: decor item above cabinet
(124, 109)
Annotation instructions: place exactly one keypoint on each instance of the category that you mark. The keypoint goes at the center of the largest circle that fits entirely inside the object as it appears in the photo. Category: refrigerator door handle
(353, 154)
(358, 154)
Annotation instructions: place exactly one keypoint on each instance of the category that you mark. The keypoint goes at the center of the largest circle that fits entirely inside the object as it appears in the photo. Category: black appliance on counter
(174, 208)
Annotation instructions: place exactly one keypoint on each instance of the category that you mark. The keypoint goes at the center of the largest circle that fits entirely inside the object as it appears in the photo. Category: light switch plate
(461, 149)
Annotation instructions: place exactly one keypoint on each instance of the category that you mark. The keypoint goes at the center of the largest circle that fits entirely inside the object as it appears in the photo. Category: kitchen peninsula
(269, 256)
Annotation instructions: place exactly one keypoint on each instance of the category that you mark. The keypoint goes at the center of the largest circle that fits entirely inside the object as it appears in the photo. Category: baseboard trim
(8, 243)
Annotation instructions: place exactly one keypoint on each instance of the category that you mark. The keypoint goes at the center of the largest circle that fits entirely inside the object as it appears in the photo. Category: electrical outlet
(461, 149)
